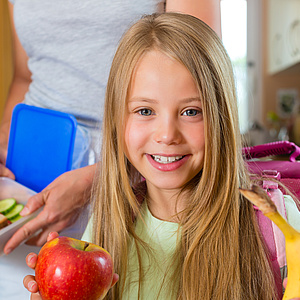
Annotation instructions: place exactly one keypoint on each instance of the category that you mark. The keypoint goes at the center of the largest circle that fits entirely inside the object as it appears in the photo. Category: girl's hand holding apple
(63, 263)
(29, 281)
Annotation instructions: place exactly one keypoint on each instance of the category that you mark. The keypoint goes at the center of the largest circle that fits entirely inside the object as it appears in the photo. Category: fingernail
(31, 285)
(24, 212)
(51, 233)
(30, 257)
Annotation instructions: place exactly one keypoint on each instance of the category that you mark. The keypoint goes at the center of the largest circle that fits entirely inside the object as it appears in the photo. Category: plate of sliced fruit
(13, 197)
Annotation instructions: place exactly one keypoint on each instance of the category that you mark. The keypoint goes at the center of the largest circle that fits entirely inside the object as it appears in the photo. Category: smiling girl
(167, 205)
(171, 118)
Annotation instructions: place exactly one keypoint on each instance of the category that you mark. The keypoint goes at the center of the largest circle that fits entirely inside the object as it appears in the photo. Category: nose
(167, 131)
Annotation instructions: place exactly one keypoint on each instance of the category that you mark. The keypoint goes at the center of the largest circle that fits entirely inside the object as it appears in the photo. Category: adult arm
(208, 11)
(63, 198)
(19, 87)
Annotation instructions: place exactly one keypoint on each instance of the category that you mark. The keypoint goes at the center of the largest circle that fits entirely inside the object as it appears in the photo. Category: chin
(167, 184)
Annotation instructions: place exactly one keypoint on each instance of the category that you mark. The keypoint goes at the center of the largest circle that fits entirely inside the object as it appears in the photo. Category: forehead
(157, 73)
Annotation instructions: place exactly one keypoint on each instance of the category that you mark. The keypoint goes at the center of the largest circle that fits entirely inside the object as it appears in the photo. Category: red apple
(70, 269)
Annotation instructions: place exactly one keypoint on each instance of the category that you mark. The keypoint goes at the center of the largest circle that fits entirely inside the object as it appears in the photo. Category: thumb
(8, 173)
(115, 279)
(5, 172)
(33, 203)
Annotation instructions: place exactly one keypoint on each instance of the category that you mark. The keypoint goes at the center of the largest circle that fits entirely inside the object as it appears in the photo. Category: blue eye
(145, 112)
(191, 112)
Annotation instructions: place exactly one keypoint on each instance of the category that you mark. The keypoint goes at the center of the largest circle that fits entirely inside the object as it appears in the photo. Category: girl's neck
(165, 205)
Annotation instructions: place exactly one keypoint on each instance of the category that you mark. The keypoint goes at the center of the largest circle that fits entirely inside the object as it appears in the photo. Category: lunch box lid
(41, 145)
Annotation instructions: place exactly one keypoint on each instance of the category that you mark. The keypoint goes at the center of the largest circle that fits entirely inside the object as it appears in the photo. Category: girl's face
(164, 132)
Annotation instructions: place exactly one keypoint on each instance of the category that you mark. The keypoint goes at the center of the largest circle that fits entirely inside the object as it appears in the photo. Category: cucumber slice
(14, 212)
(7, 205)
(15, 218)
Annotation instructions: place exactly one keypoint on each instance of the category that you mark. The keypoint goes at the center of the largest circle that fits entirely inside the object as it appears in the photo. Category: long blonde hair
(222, 255)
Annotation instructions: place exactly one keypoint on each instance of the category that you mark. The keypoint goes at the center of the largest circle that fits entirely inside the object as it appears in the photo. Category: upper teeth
(166, 159)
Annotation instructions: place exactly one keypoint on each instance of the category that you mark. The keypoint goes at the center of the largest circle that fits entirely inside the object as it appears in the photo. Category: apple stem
(85, 246)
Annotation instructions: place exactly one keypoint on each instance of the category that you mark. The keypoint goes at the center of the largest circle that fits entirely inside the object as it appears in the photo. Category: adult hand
(5, 172)
(62, 199)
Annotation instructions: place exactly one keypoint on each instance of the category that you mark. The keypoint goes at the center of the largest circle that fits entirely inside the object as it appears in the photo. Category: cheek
(134, 138)
(199, 146)
(197, 138)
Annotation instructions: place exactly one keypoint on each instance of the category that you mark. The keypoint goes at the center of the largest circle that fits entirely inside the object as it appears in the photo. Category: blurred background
(262, 38)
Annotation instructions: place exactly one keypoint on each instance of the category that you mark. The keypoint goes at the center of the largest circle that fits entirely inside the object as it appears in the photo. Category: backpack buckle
(269, 179)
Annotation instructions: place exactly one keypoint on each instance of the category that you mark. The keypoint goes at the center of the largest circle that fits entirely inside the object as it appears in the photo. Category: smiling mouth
(166, 159)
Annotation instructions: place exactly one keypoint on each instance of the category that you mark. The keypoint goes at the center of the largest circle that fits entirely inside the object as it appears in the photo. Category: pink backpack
(287, 172)
(288, 167)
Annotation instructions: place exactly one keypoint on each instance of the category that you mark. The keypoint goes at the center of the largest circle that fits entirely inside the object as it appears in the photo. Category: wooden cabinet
(5, 54)
(283, 35)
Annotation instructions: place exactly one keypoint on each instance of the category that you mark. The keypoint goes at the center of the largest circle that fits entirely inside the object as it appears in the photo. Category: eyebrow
(149, 100)
(187, 100)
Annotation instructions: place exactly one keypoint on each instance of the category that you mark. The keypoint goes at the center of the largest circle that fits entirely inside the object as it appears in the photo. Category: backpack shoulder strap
(272, 235)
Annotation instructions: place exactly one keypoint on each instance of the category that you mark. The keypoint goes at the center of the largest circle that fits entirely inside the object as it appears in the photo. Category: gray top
(70, 45)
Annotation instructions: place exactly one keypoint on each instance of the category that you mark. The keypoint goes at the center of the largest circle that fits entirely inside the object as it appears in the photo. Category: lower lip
(167, 167)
